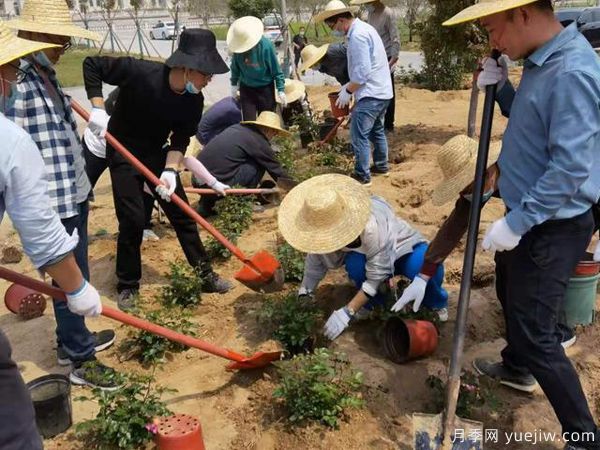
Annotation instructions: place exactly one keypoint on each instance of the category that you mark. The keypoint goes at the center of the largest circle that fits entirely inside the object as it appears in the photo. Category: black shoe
(214, 283)
(361, 180)
(572, 447)
(127, 299)
(104, 339)
(524, 383)
(376, 171)
(96, 375)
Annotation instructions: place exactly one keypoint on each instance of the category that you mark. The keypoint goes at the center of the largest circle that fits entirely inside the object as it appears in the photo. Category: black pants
(128, 197)
(297, 57)
(390, 113)
(95, 167)
(254, 100)
(531, 281)
(18, 430)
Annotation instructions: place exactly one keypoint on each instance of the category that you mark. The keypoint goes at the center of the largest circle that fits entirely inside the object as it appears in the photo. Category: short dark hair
(544, 5)
(344, 15)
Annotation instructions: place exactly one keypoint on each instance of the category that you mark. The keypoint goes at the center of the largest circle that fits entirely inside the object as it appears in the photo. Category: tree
(414, 9)
(450, 52)
(136, 4)
(205, 9)
(256, 8)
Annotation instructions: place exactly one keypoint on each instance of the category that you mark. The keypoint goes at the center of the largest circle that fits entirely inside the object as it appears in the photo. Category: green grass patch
(220, 31)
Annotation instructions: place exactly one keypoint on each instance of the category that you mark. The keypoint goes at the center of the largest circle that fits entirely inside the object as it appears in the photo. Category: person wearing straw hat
(43, 110)
(338, 223)
(241, 155)
(255, 70)
(382, 19)
(156, 101)
(330, 59)
(550, 178)
(24, 197)
(369, 85)
(297, 102)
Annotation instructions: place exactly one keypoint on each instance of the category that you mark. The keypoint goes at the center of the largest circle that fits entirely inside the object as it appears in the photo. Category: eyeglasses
(67, 45)
(331, 23)
(21, 74)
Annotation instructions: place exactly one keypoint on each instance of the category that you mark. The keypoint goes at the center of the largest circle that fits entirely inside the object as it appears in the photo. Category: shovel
(261, 273)
(446, 431)
(257, 191)
(259, 359)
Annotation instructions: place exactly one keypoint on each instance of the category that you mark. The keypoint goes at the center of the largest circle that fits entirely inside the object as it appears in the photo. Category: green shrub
(471, 394)
(123, 415)
(319, 387)
(292, 262)
(185, 286)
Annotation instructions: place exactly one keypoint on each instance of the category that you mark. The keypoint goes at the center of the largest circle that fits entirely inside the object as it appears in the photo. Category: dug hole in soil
(236, 410)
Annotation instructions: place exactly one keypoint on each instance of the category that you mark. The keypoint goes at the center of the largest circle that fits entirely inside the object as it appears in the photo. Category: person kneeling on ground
(337, 222)
(241, 154)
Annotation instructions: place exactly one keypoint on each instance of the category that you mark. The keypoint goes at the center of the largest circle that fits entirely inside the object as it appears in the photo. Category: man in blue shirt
(549, 180)
(369, 84)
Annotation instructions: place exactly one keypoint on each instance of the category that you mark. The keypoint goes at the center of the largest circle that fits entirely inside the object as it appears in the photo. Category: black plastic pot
(51, 396)
(326, 127)
(305, 139)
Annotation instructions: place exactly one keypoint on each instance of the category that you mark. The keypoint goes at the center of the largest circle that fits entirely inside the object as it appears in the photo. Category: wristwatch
(349, 311)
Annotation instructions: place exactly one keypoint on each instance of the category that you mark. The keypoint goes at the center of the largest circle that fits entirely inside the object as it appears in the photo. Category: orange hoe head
(262, 273)
(256, 361)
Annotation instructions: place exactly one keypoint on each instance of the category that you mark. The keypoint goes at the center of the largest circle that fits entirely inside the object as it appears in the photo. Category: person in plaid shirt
(43, 110)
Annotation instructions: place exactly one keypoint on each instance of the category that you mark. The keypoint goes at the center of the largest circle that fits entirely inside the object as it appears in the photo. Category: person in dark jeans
(299, 41)
(241, 154)
(549, 181)
(155, 101)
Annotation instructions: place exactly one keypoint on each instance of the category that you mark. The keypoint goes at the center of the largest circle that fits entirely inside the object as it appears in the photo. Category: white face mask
(8, 93)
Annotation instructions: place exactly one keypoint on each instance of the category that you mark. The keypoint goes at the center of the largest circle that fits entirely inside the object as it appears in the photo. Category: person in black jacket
(241, 154)
(155, 101)
(330, 59)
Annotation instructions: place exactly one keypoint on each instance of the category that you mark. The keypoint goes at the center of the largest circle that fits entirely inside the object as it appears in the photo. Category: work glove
(337, 323)
(344, 97)
(414, 292)
(169, 183)
(234, 91)
(282, 98)
(499, 237)
(85, 301)
(98, 123)
(220, 187)
(494, 72)
(597, 252)
(96, 144)
(305, 294)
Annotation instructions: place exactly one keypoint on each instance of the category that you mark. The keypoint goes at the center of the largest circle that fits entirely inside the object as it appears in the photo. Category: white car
(273, 23)
(163, 30)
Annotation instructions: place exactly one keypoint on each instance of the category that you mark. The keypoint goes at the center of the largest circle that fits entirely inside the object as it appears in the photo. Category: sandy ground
(236, 409)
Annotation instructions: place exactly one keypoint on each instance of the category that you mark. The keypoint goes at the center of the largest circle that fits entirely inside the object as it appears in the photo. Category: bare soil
(236, 409)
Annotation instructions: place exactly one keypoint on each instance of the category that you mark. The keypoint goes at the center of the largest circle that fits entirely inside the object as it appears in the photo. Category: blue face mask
(486, 196)
(338, 33)
(190, 88)
(8, 101)
(370, 8)
(41, 58)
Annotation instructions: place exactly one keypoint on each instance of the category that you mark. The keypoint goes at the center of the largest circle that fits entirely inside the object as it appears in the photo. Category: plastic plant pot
(587, 267)
(51, 396)
(407, 339)
(24, 302)
(580, 300)
(335, 110)
(179, 432)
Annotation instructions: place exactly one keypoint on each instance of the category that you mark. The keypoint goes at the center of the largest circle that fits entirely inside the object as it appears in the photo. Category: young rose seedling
(185, 286)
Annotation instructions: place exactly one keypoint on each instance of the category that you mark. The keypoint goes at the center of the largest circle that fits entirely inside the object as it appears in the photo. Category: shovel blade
(428, 430)
(256, 361)
(262, 273)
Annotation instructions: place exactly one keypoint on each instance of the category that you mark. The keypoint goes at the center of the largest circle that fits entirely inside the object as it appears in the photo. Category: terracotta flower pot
(24, 302)
(179, 432)
(587, 269)
(407, 339)
(335, 111)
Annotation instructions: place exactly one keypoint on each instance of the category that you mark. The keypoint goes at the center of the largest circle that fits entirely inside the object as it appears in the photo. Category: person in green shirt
(255, 70)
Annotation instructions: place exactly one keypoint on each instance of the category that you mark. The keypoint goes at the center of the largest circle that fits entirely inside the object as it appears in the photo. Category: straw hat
(485, 8)
(294, 90)
(13, 47)
(324, 213)
(244, 33)
(333, 8)
(268, 119)
(311, 55)
(361, 2)
(49, 17)
(457, 159)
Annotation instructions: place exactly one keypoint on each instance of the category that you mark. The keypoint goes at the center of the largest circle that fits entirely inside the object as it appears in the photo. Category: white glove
(234, 91)
(220, 187)
(493, 73)
(338, 321)
(282, 98)
(414, 292)
(85, 301)
(499, 237)
(597, 252)
(344, 97)
(169, 183)
(98, 123)
(96, 144)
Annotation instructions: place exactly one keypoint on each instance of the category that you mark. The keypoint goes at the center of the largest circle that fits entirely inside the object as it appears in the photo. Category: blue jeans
(366, 127)
(71, 333)
(409, 265)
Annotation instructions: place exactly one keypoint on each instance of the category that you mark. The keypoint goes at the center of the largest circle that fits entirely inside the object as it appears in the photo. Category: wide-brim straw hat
(13, 47)
(457, 159)
(311, 55)
(485, 8)
(333, 8)
(244, 33)
(197, 50)
(50, 17)
(361, 2)
(268, 119)
(324, 213)
(294, 90)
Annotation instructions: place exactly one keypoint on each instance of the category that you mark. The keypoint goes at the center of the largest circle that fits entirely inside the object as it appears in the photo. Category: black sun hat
(197, 50)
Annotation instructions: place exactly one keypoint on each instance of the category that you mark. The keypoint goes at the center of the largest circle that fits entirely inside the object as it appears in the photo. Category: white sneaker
(150, 235)
(442, 314)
